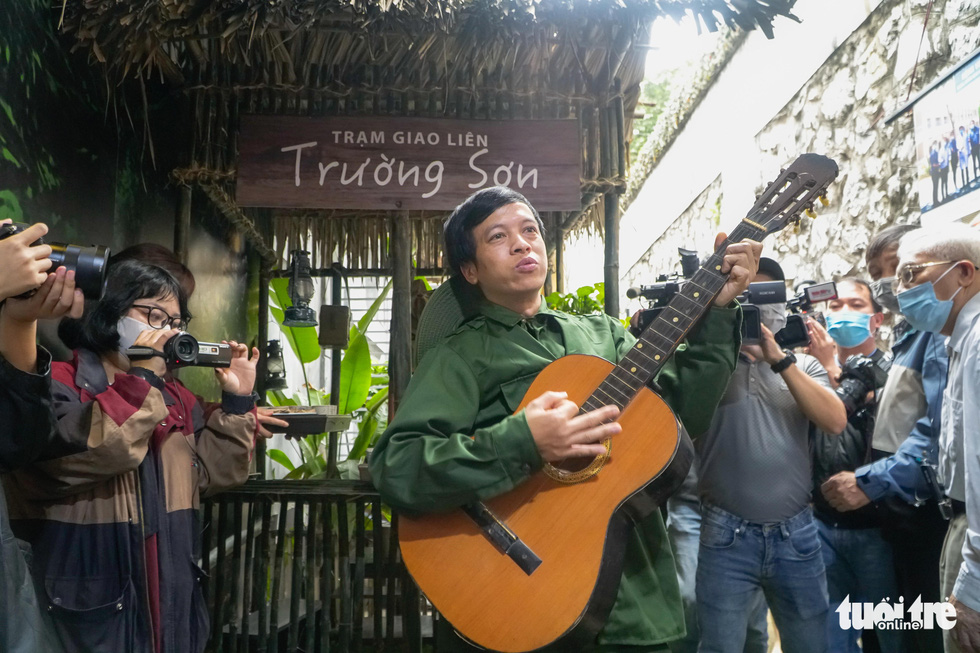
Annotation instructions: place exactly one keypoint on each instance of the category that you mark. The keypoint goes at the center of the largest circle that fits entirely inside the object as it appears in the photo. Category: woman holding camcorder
(110, 508)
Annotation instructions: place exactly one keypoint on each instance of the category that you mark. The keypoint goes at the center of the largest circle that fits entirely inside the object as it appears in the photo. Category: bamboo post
(336, 354)
(400, 352)
(559, 257)
(610, 214)
(611, 268)
(182, 226)
(261, 369)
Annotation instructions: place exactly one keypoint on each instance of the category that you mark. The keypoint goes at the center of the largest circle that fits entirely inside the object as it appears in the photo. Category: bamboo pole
(400, 351)
(182, 226)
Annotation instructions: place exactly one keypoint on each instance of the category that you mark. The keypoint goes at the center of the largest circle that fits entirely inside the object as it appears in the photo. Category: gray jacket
(26, 425)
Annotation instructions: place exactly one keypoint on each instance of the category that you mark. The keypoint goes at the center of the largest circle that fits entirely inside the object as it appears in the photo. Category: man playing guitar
(456, 438)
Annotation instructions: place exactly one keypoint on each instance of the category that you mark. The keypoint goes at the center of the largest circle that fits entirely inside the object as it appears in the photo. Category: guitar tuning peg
(796, 227)
(810, 214)
(823, 200)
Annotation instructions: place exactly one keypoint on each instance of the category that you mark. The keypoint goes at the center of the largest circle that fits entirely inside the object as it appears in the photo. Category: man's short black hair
(861, 283)
(457, 230)
(886, 239)
(127, 282)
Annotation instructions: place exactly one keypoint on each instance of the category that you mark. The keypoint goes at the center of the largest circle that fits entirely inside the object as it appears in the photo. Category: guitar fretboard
(659, 340)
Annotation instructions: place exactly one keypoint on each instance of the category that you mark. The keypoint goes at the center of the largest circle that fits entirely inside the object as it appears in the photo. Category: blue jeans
(684, 531)
(738, 558)
(859, 564)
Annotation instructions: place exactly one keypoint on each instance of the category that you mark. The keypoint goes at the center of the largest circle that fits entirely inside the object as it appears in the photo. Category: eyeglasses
(907, 274)
(158, 318)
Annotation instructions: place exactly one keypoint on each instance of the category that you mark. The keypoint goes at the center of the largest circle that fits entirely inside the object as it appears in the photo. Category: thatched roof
(494, 59)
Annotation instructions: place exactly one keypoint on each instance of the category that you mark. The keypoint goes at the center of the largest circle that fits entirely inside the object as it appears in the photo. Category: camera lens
(181, 349)
(89, 263)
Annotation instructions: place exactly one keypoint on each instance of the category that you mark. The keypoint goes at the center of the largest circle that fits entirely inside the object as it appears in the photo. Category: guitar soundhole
(572, 465)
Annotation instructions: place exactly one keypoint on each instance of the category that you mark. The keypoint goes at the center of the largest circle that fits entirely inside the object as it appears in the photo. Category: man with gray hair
(939, 291)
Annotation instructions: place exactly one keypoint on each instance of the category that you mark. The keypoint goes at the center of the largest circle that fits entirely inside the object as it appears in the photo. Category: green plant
(362, 393)
(587, 300)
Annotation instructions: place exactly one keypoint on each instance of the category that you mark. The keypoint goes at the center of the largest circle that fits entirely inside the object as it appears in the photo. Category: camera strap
(142, 353)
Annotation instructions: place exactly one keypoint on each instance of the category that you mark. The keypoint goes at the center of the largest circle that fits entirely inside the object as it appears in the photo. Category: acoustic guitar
(540, 565)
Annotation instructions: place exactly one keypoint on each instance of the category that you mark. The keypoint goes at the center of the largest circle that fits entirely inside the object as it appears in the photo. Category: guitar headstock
(793, 192)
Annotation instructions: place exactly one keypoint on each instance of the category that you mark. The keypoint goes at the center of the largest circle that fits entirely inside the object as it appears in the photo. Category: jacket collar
(965, 322)
(509, 318)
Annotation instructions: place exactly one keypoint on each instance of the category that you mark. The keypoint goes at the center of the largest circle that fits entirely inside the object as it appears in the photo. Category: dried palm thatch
(482, 59)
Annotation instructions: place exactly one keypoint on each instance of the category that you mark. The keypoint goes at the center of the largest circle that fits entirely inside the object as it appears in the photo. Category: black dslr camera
(89, 263)
(184, 350)
(859, 377)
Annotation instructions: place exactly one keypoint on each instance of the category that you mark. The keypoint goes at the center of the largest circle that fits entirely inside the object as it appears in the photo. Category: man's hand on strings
(561, 433)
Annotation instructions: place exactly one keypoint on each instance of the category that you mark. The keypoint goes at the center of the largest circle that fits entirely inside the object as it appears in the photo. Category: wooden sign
(404, 163)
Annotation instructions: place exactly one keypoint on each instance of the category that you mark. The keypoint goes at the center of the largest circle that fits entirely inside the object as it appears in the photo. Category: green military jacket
(455, 438)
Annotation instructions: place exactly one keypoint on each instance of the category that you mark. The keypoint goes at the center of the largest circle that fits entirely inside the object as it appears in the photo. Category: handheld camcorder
(89, 263)
(859, 378)
(659, 294)
(184, 350)
(758, 293)
(795, 333)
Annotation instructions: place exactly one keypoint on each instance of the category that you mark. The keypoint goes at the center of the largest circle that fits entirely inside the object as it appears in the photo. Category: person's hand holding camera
(56, 298)
(767, 349)
(823, 348)
(239, 377)
(24, 266)
(154, 339)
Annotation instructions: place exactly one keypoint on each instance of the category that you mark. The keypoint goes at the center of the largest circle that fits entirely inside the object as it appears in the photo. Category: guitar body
(578, 530)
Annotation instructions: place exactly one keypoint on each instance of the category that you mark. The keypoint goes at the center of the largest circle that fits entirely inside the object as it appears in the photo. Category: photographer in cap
(858, 559)
(906, 433)
(111, 507)
(26, 422)
(755, 485)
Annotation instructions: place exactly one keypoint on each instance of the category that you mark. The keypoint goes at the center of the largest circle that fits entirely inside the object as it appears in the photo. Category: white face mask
(773, 316)
(129, 329)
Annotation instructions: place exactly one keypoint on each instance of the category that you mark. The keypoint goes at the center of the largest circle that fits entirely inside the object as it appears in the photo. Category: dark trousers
(916, 535)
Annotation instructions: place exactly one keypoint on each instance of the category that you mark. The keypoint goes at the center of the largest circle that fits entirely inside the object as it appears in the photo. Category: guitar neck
(661, 338)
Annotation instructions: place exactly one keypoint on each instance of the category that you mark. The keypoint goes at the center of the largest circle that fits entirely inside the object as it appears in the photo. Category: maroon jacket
(111, 506)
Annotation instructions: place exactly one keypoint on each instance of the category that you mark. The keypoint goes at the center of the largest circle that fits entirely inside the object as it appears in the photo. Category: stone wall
(694, 229)
(840, 112)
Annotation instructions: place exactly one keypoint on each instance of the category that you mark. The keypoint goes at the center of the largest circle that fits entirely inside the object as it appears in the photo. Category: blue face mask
(848, 328)
(923, 309)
